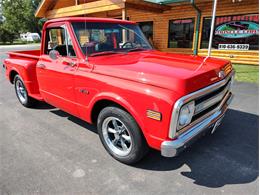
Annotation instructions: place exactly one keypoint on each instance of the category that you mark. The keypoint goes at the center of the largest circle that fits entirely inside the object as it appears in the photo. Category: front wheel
(21, 92)
(121, 136)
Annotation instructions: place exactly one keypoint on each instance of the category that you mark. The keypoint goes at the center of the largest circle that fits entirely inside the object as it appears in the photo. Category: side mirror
(54, 54)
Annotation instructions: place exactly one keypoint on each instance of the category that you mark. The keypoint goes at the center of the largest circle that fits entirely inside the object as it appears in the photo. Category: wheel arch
(101, 104)
(12, 74)
(109, 100)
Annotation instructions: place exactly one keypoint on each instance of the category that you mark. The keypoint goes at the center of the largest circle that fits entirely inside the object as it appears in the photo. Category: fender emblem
(84, 91)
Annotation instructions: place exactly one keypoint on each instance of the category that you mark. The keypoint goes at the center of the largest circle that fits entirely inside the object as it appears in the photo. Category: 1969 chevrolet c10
(105, 72)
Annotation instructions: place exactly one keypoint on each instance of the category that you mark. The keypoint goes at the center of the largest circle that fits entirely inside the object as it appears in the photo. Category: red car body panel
(137, 81)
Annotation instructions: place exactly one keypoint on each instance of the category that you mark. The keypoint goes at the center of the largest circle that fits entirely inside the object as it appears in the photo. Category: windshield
(108, 38)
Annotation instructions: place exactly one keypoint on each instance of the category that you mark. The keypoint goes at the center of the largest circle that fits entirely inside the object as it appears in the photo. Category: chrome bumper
(174, 147)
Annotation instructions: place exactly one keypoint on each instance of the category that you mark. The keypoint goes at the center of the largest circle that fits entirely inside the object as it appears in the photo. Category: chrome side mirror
(54, 54)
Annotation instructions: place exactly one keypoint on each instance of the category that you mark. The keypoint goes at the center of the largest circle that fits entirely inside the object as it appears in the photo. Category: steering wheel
(128, 43)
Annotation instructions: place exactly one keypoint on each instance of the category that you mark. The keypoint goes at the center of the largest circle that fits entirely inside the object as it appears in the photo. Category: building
(181, 26)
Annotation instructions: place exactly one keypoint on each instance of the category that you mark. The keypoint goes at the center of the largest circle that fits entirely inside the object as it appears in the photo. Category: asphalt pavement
(47, 151)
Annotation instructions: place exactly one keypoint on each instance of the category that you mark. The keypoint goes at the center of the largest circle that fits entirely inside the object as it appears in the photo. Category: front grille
(202, 113)
(210, 101)
(211, 94)
(207, 100)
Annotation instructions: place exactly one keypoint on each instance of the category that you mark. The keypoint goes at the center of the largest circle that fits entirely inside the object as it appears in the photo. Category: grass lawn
(246, 73)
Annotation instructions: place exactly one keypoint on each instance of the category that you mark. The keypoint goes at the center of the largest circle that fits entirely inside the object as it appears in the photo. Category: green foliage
(246, 73)
(6, 35)
(19, 18)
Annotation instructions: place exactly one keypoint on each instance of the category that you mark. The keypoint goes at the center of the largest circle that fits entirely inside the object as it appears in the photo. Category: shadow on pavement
(229, 156)
(43, 106)
(76, 120)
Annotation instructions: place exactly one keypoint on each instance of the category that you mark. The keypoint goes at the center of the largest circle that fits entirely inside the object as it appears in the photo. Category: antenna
(85, 15)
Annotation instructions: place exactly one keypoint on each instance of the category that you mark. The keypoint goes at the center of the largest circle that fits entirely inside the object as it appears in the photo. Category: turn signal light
(154, 115)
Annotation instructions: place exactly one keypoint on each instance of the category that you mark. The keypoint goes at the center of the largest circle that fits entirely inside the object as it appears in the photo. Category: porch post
(212, 26)
(124, 17)
(196, 41)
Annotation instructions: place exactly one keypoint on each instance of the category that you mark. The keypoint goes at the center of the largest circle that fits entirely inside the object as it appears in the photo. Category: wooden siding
(181, 11)
(160, 15)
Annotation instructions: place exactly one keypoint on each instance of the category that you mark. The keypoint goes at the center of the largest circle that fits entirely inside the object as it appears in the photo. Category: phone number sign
(233, 46)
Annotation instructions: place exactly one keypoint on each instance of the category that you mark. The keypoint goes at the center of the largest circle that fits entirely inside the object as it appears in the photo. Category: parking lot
(45, 150)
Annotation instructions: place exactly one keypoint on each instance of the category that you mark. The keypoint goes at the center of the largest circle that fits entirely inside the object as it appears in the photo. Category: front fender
(118, 100)
(137, 104)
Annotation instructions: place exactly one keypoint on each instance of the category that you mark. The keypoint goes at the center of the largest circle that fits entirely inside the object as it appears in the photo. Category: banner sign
(237, 29)
(238, 32)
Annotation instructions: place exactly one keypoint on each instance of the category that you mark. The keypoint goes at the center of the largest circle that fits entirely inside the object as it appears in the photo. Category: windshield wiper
(103, 53)
(136, 49)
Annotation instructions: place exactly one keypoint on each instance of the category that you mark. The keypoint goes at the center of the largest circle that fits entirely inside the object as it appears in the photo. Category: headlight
(186, 114)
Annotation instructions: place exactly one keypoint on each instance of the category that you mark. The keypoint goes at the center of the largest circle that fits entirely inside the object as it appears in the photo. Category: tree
(19, 16)
(32, 23)
(5, 34)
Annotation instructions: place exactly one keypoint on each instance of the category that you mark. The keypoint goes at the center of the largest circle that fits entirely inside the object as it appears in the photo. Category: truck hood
(181, 73)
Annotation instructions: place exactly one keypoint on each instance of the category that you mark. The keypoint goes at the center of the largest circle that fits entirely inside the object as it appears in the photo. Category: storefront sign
(234, 32)
(237, 29)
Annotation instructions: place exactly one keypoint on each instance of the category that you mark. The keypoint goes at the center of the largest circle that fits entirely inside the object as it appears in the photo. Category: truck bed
(24, 64)
(34, 54)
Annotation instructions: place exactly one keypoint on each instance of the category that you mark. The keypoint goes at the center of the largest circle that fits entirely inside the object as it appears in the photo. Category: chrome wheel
(21, 91)
(117, 136)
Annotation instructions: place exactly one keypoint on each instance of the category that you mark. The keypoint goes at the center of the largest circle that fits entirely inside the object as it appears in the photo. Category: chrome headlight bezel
(185, 115)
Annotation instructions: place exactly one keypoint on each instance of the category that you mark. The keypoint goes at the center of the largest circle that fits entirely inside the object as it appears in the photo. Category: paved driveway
(48, 151)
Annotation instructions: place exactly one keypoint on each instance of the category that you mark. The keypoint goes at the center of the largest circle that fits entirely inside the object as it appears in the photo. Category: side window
(147, 28)
(58, 39)
(181, 33)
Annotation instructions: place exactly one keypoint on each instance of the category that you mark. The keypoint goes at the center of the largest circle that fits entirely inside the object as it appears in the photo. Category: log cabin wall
(182, 11)
(137, 11)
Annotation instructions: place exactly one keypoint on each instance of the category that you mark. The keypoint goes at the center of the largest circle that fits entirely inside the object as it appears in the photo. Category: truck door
(56, 69)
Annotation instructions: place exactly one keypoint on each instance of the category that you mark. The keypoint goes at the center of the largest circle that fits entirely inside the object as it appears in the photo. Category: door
(56, 72)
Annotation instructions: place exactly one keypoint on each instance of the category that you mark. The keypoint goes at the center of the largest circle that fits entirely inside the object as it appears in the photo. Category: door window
(58, 39)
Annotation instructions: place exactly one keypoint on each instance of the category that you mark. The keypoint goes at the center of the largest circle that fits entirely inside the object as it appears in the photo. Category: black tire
(138, 147)
(23, 98)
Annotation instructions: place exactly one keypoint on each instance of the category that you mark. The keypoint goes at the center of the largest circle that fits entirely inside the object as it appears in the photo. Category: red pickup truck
(105, 72)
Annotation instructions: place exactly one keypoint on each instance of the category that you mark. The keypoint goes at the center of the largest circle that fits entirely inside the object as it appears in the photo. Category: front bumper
(209, 123)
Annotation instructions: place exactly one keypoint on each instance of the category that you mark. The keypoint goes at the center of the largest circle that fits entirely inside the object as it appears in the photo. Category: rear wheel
(121, 136)
(21, 92)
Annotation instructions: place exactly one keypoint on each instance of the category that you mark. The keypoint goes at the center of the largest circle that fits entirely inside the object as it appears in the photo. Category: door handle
(69, 63)
(42, 66)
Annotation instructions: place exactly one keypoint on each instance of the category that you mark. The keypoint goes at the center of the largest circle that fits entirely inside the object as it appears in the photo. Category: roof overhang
(145, 5)
(46, 10)
(44, 6)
